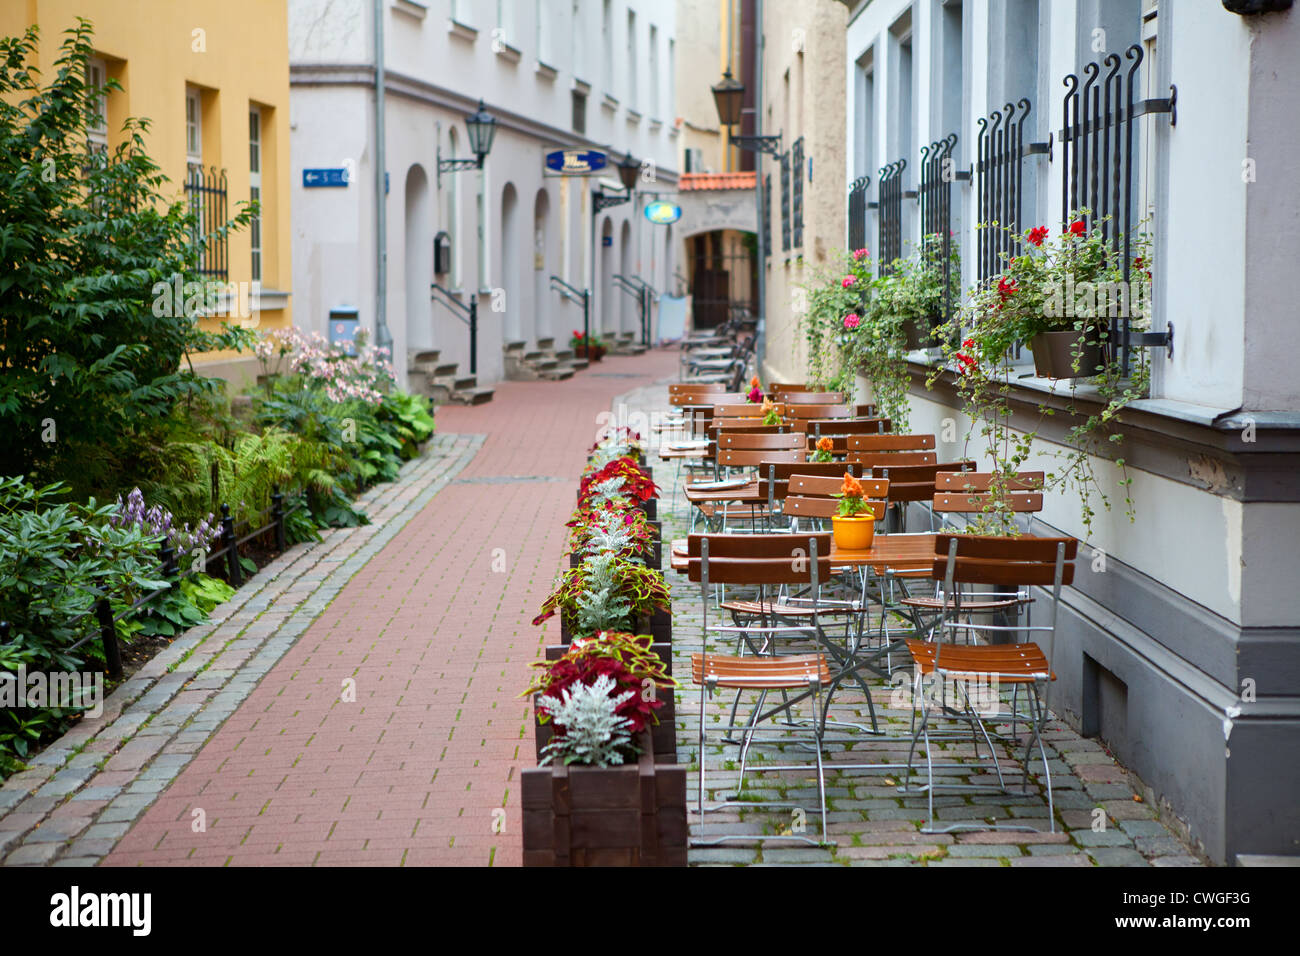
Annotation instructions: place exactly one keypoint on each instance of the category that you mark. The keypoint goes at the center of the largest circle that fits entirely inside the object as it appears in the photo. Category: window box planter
(658, 625)
(593, 354)
(630, 815)
(919, 333)
(1054, 354)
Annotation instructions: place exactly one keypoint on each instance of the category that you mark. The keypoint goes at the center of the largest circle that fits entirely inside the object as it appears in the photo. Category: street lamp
(482, 128)
(628, 170)
(729, 97)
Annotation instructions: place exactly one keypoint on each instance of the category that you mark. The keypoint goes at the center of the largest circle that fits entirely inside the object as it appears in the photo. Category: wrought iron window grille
(206, 193)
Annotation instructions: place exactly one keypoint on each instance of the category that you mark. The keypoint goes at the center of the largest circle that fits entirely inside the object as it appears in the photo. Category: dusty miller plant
(593, 733)
(602, 608)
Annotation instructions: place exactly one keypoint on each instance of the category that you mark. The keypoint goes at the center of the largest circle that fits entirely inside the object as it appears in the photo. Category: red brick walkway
(437, 639)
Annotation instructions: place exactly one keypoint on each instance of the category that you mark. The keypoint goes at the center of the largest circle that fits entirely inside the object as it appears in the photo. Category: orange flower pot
(854, 534)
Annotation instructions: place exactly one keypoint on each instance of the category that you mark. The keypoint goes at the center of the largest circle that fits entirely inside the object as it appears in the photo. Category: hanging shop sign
(662, 213)
(576, 162)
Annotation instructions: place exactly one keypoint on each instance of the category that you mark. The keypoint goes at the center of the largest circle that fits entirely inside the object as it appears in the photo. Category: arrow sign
(576, 162)
(318, 178)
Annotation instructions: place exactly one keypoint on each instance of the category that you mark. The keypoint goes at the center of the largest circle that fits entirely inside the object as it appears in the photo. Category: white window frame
(632, 101)
(653, 80)
(255, 191)
(97, 131)
(193, 125)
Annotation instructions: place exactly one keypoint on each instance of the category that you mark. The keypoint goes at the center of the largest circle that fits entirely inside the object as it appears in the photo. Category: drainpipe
(383, 338)
(760, 333)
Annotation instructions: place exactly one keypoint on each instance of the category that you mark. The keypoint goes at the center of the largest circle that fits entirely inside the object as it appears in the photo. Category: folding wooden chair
(915, 483)
(838, 430)
(798, 416)
(874, 451)
(774, 476)
(982, 560)
(764, 561)
(777, 388)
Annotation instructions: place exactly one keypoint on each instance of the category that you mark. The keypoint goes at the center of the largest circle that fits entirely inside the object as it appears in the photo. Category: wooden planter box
(591, 354)
(631, 815)
(659, 625)
(663, 735)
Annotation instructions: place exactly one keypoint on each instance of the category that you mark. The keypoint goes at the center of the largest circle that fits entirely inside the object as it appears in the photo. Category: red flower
(1007, 288)
(1037, 235)
(1078, 228)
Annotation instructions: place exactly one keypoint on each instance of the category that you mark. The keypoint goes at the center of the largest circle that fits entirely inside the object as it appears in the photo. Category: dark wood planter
(659, 626)
(632, 815)
(919, 333)
(1054, 354)
(591, 354)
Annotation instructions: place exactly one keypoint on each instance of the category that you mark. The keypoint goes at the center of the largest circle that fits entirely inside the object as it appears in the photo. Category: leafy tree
(86, 236)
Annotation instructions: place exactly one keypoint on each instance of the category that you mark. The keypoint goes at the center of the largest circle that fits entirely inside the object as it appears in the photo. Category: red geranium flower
(1078, 228)
(1037, 235)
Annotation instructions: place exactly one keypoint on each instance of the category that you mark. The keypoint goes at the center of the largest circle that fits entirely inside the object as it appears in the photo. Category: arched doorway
(607, 316)
(418, 251)
(513, 325)
(542, 266)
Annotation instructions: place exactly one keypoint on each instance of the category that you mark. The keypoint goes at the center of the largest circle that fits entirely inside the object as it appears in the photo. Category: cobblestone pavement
(355, 702)
(870, 822)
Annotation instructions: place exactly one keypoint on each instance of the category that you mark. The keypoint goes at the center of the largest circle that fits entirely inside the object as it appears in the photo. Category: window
(542, 17)
(607, 43)
(653, 78)
(507, 32)
(632, 101)
(580, 112)
(193, 127)
(577, 51)
(672, 76)
(255, 188)
(460, 10)
(97, 125)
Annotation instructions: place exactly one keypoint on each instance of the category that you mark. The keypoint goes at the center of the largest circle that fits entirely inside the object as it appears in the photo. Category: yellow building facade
(212, 78)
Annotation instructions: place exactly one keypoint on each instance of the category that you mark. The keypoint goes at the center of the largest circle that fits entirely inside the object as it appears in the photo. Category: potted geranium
(1058, 296)
(590, 348)
(854, 528)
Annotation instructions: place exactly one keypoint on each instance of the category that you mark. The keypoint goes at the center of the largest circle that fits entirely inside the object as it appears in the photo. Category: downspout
(383, 338)
(760, 332)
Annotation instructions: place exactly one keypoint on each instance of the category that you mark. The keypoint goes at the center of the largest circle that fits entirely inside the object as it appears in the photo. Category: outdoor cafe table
(746, 494)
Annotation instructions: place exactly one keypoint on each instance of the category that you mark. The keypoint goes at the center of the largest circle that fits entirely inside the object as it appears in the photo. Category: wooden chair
(682, 393)
(777, 388)
(774, 477)
(970, 560)
(874, 451)
(741, 450)
(912, 483)
(764, 561)
(844, 427)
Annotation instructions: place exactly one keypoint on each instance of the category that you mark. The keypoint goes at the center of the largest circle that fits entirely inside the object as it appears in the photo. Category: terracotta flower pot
(855, 533)
(1054, 354)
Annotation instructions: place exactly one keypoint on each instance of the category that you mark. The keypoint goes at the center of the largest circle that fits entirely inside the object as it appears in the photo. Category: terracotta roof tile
(691, 181)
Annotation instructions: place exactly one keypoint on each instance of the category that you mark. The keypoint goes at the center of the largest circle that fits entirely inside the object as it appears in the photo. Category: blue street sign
(317, 178)
(576, 162)
(606, 240)
(662, 213)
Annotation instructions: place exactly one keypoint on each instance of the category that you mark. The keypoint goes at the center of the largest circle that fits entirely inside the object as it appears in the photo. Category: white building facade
(556, 74)
(1180, 647)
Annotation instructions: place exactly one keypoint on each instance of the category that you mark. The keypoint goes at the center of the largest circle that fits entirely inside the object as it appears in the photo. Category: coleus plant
(605, 592)
(635, 483)
(625, 658)
(615, 443)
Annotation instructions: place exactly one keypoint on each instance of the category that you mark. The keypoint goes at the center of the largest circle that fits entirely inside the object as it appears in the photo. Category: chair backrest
(813, 398)
(687, 394)
(743, 410)
(847, 426)
(774, 476)
(873, 461)
(749, 458)
(967, 492)
(891, 442)
(1022, 561)
(742, 426)
(759, 558)
(750, 441)
(776, 388)
(915, 482)
(805, 412)
(814, 496)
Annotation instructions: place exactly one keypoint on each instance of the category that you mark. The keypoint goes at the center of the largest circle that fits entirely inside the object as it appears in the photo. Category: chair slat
(1020, 502)
(891, 442)
(877, 459)
(983, 481)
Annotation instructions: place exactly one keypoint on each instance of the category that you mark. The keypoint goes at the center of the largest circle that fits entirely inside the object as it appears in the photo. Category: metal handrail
(470, 318)
(574, 294)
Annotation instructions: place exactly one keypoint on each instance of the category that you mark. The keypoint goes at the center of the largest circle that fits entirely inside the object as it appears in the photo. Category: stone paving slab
(873, 824)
